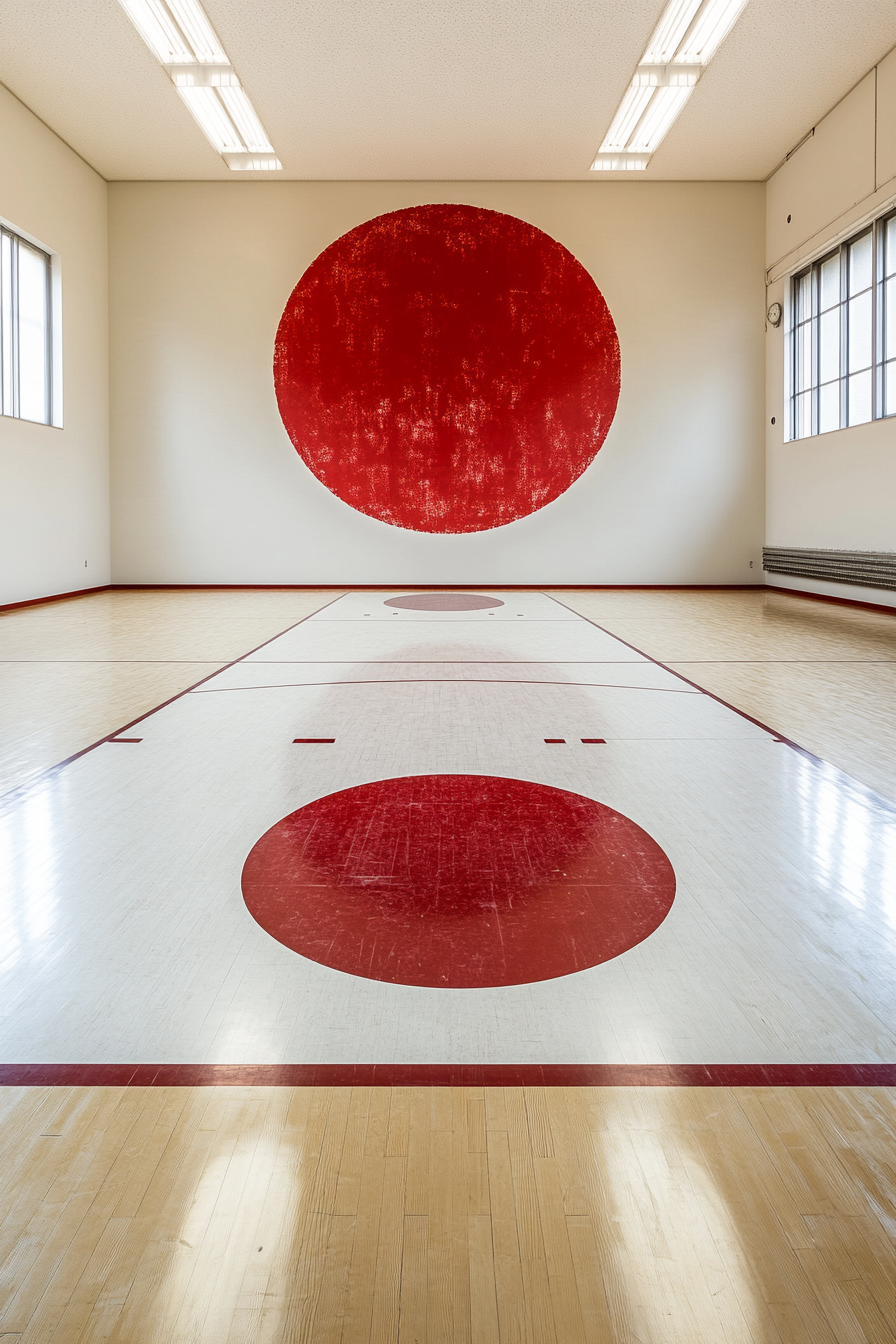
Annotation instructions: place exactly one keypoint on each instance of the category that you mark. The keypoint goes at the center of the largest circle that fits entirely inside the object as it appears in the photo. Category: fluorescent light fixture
(256, 162)
(686, 38)
(619, 163)
(179, 35)
(213, 120)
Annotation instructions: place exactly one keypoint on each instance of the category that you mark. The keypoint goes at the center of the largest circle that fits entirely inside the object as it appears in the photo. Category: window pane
(802, 415)
(829, 407)
(829, 344)
(890, 253)
(6, 327)
(33, 334)
(860, 332)
(859, 393)
(830, 282)
(890, 319)
(890, 389)
(804, 297)
(802, 372)
(860, 264)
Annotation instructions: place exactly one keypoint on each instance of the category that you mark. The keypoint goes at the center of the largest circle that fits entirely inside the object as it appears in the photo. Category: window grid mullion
(14, 321)
(844, 335)
(876, 397)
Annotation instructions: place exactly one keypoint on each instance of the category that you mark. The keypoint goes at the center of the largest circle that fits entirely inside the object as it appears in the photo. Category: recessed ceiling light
(685, 40)
(179, 35)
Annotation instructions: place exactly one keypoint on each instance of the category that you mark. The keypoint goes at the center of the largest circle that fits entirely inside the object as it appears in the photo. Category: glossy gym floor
(488, 966)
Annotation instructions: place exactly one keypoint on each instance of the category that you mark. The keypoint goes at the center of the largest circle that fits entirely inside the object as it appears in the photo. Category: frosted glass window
(860, 398)
(34, 335)
(803, 370)
(25, 329)
(829, 407)
(803, 416)
(830, 283)
(860, 264)
(804, 298)
(860, 332)
(888, 319)
(842, 337)
(890, 246)
(890, 388)
(6, 324)
(829, 345)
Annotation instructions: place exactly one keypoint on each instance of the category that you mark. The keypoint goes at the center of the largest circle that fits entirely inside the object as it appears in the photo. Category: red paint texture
(447, 1075)
(446, 368)
(458, 881)
(443, 602)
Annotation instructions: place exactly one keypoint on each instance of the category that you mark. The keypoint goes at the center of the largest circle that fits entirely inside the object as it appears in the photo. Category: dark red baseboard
(448, 1075)
(838, 601)
(447, 587)
(435, 587)
(56, 597)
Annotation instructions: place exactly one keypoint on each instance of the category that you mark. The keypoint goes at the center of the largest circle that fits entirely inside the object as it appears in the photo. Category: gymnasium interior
(448, 672)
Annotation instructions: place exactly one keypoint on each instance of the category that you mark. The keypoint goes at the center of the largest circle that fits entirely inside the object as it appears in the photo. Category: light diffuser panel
(686, 38)
(182, 39)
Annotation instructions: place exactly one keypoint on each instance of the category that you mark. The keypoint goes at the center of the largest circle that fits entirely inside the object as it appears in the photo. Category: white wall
(835, 490)
(54, 499)
(207, 487)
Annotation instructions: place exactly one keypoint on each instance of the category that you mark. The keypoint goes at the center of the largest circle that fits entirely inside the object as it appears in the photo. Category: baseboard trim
(450, 587)
(829, 597)
(439, 587)
(56, 597)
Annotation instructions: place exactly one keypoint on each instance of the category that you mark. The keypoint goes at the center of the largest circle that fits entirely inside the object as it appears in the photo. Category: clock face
(774, 314)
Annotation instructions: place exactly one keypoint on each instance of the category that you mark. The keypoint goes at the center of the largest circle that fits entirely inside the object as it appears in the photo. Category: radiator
(874, 569)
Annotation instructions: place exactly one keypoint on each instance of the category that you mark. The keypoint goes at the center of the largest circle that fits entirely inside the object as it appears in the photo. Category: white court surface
(125, 937)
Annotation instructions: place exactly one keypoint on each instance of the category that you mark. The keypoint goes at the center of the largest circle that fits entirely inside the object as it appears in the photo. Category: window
(842, 348)
(26, 355)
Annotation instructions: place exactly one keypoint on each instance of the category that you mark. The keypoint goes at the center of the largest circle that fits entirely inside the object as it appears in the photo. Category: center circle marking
(443, 602)
(458, 881)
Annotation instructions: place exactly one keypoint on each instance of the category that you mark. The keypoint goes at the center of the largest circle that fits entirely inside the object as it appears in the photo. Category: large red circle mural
(446, 368)
(458, 881)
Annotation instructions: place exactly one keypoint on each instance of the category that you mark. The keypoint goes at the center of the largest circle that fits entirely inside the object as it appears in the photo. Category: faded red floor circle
(443, 602)
(446, 368)
(458, 881)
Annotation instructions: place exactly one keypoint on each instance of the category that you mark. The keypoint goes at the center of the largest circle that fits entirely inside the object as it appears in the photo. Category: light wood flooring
(550, 1216)
(822, 674)
(74, 670)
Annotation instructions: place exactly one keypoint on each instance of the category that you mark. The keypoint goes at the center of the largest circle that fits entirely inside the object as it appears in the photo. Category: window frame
(882, 234)
(10, 331)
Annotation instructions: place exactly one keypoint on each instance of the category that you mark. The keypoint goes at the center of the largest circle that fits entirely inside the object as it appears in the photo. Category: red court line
(440, 681)
(16, 795)
(448, 1075)
(314, 739)
(866, 790)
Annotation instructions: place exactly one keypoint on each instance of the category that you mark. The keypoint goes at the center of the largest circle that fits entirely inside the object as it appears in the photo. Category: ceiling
(419, 90)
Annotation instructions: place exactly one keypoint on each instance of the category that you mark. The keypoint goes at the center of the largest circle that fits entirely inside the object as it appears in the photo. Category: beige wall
(54, 500)
(835, 490)
(208, 488)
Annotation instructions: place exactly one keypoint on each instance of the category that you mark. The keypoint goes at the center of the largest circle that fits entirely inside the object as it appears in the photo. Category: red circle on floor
(443, 602)
(447, 368)
(458, 881)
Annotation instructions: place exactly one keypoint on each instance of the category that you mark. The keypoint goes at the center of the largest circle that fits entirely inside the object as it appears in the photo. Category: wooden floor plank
(227, 1215)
